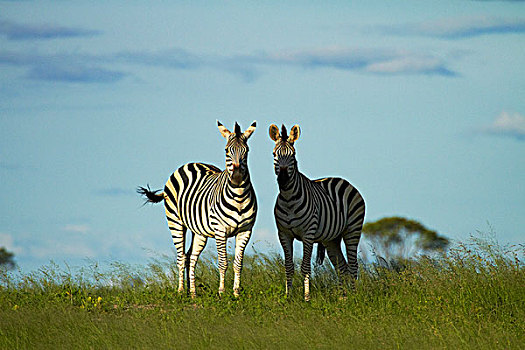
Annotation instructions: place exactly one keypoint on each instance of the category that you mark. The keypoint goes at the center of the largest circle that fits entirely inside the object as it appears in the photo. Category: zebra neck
(292, 186)
(244, 186)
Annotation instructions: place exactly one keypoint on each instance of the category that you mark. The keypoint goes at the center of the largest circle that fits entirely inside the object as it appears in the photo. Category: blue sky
(418, 104)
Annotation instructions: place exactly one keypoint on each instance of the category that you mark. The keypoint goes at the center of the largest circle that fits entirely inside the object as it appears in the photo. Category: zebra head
(237, 152)
(284, 153)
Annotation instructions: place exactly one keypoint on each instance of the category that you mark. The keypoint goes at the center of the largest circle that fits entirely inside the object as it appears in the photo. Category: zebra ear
(224, 132)
(294, 134)
(250, 130)
(274, 133)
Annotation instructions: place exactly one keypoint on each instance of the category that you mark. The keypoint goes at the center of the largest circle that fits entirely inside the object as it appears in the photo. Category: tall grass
(473, 297)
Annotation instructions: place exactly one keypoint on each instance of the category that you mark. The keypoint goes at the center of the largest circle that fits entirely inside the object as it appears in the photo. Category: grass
(474, 297)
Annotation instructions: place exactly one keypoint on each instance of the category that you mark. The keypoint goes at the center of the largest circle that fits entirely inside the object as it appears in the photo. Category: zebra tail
(151, 196)
(320, 254)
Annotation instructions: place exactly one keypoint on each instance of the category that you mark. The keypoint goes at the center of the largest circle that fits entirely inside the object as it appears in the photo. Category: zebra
(323, 211)
(211, 203)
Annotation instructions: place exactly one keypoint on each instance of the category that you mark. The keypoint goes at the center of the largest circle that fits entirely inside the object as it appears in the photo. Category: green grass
(472, 298)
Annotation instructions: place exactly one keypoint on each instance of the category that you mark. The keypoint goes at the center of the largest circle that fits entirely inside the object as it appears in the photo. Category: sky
(419, 104)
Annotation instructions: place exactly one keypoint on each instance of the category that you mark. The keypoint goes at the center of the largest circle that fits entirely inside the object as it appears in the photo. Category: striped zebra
(211, 203)
(323, 211)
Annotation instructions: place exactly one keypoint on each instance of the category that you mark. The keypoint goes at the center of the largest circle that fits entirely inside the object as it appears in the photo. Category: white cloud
(85, 68)
(410, 64)
(74, 68)
(67, 247)
(7, 241)
(379, 61)
(19, 31)
(508, 124)
(56, 250)
(460, 28)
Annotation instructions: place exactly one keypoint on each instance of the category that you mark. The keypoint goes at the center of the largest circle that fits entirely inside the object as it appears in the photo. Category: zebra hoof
(236, 292)
(307, 297)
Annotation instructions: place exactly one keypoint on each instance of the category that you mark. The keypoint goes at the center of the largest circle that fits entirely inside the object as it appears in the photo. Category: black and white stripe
(323, 211)
(211, 203)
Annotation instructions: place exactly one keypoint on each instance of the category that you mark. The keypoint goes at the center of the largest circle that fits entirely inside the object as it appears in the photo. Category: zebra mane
(237, 130)
(284, 135)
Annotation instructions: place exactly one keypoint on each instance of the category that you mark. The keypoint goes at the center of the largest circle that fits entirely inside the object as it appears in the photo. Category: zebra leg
(333, 248)
(351, 240)
(220, 239)
(241, 240)
(199, 242)
(178, 233)
(287, 244)
(306, 267)
(188, 254)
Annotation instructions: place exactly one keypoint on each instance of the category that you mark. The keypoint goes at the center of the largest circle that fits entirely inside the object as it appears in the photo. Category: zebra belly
(196, 218)
(325, 224)
(331, 225)
(234, 229)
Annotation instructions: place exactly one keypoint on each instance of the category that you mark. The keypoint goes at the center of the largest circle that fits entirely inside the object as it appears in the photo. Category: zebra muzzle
(236, 176)
(283, 177)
